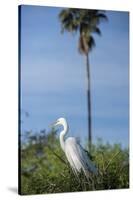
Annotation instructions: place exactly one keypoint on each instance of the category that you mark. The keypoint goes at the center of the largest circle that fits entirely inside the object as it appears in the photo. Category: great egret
(77, 157)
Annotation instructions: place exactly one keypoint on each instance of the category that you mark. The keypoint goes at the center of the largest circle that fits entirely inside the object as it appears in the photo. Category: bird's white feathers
(78, 157)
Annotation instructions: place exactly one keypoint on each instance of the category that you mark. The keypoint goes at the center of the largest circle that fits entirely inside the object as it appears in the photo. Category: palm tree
(85, 22)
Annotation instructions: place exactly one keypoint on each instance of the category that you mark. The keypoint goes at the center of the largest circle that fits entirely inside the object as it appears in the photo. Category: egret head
(61, 121)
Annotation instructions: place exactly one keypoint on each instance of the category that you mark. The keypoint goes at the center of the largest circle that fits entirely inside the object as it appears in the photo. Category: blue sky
(53, 76)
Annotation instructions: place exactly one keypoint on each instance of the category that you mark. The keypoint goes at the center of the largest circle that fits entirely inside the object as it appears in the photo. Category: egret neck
(62, 135)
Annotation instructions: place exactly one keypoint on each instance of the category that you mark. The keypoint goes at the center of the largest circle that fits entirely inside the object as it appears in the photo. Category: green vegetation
(44, 168)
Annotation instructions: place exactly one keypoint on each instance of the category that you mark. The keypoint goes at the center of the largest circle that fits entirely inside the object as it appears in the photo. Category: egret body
(77, 157)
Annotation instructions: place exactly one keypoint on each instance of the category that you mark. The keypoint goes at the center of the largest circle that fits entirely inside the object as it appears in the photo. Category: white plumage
(77, 157)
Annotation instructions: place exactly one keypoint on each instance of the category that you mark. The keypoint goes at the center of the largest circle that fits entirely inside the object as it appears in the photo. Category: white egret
(77, 157)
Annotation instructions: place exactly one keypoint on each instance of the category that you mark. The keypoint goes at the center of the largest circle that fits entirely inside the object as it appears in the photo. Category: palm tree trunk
(89, 103)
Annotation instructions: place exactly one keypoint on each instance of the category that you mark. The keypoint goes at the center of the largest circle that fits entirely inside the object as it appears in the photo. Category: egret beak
(53, 124)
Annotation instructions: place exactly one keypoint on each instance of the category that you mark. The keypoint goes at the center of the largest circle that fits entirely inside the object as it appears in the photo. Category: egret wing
(78, 157)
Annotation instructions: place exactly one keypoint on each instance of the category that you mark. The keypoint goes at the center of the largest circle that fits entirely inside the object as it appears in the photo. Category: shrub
(44, 168)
